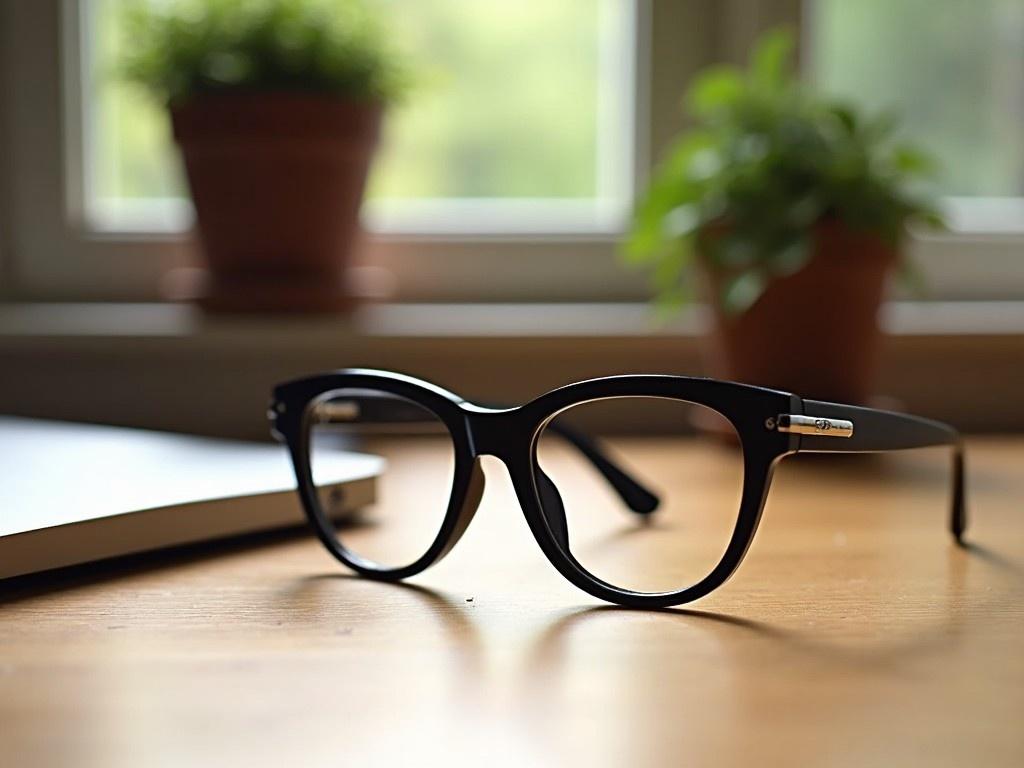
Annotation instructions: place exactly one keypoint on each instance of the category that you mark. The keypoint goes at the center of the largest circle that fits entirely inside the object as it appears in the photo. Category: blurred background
(495, 210)
(534, 101)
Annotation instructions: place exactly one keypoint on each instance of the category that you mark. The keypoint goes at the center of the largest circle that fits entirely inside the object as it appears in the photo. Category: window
(474, 203)
(954, 72)
(551, 150)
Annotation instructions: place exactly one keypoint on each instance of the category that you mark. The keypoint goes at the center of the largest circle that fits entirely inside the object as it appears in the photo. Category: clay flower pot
(277, 180)
(814, 332)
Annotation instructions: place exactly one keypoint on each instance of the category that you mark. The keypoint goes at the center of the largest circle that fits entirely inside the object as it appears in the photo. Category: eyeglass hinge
(813, 425)
(275, 409)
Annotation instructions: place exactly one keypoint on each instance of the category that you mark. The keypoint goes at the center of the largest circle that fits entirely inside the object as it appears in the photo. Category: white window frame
(51, 253)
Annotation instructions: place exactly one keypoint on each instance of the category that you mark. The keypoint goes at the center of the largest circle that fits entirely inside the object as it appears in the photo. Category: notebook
(75, 493)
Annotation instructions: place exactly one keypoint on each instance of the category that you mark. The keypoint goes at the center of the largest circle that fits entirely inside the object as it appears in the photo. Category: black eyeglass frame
(768, 423)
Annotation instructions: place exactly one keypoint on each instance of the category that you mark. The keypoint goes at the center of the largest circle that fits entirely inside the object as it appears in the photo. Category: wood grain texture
(855, 633)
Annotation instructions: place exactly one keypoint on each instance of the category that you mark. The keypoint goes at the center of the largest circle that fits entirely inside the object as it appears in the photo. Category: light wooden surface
(855, 633)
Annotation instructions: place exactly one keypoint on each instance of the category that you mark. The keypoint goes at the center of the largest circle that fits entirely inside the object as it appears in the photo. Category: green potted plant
(276, 106)
(786, 211)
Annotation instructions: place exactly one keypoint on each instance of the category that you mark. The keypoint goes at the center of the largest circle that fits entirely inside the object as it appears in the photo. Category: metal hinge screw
(769, 423)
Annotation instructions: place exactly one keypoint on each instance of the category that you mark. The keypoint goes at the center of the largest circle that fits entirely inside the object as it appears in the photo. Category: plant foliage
(766, 160)
(186, 48)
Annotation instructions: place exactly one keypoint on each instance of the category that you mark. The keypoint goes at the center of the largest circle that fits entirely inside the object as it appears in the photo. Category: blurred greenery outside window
(953, 71)
(522, 131)
(517, 105)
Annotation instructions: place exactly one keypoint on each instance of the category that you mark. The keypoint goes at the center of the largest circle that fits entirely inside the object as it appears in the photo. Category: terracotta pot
(277, 180)
(814, 333)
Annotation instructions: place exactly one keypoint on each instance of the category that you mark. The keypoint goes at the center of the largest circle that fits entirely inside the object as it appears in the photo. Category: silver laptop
(74, 493)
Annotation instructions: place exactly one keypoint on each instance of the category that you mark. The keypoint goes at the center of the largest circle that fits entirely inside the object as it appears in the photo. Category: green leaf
(791, 258)
(682, 151)
(668, 272)
(933, 218)
(846, 116)
(715, 89)
(740, 291)
(733, 251)
(880, 127)
(770, 61)
(682, 221)
(804, 212)
(704, 164)
(913, 160)
(647, 236)
(669, 302)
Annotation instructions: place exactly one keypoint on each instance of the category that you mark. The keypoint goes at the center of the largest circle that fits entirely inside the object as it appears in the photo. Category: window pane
(953, 69)
(128, 137)
(526, 100)
(507, 105)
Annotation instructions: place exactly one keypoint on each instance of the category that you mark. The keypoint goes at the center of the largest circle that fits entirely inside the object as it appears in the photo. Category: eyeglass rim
(291, 409)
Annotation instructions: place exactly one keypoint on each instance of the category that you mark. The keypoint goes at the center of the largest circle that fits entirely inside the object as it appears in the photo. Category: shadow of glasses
(795, 638)
(549, 647)
(367, 601)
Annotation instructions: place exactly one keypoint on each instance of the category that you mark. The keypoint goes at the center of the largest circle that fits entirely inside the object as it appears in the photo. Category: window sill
(958, 361)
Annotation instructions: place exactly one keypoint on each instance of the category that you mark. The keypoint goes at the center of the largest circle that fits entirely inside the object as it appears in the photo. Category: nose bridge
(495, 432)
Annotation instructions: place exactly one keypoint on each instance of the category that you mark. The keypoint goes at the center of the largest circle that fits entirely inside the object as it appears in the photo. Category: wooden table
(855, 633)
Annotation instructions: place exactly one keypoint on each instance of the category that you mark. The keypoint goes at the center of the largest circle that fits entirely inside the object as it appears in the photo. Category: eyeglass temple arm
(875, 430)
(369, 409)
(635, 495)
(629, 489)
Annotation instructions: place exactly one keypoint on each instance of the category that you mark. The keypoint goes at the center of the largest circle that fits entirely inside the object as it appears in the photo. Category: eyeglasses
(639, 522)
